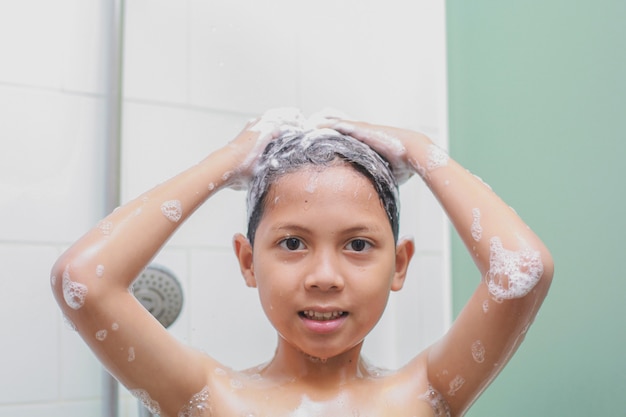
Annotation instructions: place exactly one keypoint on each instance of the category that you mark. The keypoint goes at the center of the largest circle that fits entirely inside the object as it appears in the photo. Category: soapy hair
(295, 150)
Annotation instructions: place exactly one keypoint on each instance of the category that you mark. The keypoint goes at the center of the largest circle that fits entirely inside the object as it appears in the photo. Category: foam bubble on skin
(375, 371)
(315, 359)
(325, 118)
(211, 186)
(481, 180)
(131, 354)
(456, 385)
(143, 396)
(198, 406)
(53, 280)
(308, 407)
(311, 185)
(311, 136)
(437, 157)
(421, 171)
(273, 122)
(436, 401)
(105, 227)
(227, 175)
(478, 351)
(100, 271)
(69, 324)
(220, 372)
(115, 327)
(340, 184)
(477, 229)
(279, 118)
(74, 293)
(485, 306)
(235, 383)
(347, 128)
(261, 367)
(101, 334)
(172, 210)
(512, 274)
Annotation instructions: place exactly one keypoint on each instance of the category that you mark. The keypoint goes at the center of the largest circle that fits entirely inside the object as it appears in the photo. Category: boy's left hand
(392, 143)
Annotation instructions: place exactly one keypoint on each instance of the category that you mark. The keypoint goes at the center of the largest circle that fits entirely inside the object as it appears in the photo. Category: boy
(323, 251)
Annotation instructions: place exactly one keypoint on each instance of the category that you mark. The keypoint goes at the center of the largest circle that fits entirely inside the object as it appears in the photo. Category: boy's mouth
(322, 316)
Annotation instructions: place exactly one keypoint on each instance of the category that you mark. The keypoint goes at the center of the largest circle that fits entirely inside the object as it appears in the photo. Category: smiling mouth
(319, 316)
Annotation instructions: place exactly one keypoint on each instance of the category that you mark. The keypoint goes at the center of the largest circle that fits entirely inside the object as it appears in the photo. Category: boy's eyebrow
(290, 227)
(293, 227)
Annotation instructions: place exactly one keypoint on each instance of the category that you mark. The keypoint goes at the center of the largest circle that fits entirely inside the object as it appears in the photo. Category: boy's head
(297, 150)
(322, 245)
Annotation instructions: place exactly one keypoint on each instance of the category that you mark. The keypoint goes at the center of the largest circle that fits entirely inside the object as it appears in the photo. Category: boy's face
(325, 259)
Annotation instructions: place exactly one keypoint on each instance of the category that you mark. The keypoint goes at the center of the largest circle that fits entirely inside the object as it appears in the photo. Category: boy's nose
(324, 274)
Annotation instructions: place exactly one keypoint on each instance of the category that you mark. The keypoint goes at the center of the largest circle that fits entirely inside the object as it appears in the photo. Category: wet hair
(293, 151)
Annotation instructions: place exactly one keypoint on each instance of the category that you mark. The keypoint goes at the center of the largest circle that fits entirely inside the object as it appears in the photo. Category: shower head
(158, 290)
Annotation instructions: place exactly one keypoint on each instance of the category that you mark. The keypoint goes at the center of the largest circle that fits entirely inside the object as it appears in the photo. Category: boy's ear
(243, 252)
(404, 252)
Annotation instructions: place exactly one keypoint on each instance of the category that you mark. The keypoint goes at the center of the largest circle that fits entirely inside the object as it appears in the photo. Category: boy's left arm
(515, 266)
(516, 270)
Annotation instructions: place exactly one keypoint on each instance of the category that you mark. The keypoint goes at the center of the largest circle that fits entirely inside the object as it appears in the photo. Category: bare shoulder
(401, 393)
(413, 378)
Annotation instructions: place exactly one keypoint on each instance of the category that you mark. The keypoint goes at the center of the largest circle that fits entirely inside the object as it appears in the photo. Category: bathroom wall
(537, 101)
(194, 72)
(51, 176)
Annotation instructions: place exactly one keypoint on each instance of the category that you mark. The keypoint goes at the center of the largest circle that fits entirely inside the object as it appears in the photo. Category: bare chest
(366, 400)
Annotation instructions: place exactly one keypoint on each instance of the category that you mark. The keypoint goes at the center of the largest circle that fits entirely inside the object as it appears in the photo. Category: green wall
(538, 110)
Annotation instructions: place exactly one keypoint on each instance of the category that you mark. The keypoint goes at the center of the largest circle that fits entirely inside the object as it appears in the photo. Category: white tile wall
(30, 346)
(59, 409)
(155, 50)
(51, 177)
(80, 371)
(50, 164)
(31, 41)
(374, 60)
(53, 44)
(85, 54)
(195, 71)
(244, 54)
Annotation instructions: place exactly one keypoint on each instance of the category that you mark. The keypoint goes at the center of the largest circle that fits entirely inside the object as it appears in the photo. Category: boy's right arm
(91, 279)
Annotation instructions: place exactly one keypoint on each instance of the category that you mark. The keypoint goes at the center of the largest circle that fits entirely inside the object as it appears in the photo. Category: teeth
(329, 315)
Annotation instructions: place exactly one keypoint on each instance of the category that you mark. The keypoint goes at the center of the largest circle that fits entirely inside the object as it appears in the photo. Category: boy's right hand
(250, 143)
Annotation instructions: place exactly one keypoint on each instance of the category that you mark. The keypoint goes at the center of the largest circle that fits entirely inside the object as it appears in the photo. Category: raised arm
(91, 279)
(515, 266)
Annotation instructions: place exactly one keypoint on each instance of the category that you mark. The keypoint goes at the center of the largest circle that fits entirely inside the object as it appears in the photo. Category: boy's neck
(290, 364)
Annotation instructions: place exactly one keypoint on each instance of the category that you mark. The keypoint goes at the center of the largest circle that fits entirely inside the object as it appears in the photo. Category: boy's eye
(358, 245)
(292, 243)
